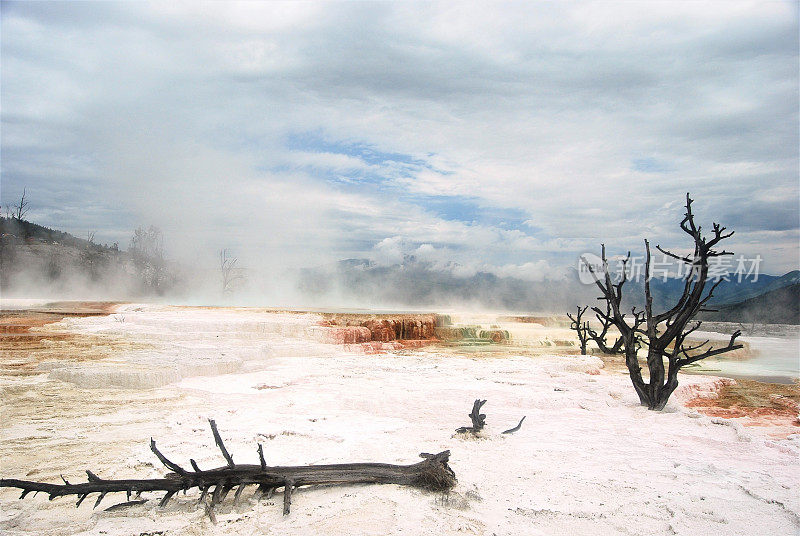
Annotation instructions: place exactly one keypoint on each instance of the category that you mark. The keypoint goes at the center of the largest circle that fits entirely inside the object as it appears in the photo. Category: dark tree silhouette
(21, 208)
(580, 327)
(665, 334)
(147, 253)
(600, 338)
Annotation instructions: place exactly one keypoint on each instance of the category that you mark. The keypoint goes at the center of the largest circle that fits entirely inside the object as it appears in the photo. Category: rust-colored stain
(383, 328)
(757, 404)
(27, 338)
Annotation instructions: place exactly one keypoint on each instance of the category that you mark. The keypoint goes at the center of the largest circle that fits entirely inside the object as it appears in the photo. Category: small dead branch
(478, 419)
(517, 427)
(432, 473)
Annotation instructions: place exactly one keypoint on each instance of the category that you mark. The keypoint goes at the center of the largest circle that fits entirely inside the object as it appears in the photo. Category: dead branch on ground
(479, 420)
(433, 473)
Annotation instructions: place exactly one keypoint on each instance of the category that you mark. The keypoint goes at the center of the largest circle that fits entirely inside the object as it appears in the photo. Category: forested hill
(36, 261)
(12, 228)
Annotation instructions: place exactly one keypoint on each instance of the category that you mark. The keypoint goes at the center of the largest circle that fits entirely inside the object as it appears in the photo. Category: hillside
(43, 260)
(779, 306)
(11, 228)
(36, 261)
(729, 292)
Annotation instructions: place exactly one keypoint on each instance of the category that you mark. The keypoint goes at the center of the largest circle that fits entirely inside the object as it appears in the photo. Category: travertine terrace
(582, 463)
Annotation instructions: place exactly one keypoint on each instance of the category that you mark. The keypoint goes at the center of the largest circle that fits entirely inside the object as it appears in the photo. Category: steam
(418, 137)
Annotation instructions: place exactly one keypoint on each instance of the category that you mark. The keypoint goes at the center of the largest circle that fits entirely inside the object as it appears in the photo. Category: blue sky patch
(315, 142)
(469, 210)
(651, 165)
(382, 180)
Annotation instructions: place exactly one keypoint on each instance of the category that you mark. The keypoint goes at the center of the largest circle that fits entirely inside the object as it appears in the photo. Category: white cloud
(530, 271)
(179, 113)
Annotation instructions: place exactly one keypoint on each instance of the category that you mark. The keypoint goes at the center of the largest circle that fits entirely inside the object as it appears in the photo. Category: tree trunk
(667, 390)
(655, 364)
(635, 373)
(432, 473)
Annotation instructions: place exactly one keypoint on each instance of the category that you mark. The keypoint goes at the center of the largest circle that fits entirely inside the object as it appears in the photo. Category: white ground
(588, 459)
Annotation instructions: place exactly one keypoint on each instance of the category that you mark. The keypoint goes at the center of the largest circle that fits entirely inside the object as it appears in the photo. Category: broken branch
(517, 427)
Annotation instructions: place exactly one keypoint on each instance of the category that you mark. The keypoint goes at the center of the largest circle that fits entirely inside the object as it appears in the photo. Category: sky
(502, 137)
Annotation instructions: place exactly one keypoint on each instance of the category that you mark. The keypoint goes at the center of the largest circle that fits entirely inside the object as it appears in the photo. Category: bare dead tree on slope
(21, 208)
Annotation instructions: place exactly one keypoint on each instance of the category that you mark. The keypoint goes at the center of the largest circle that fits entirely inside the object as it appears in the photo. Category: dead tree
(91, 257)
(21, 208)
(432, 473)
(230, 273)
(580, 327)
(664, 333)
(147, 253)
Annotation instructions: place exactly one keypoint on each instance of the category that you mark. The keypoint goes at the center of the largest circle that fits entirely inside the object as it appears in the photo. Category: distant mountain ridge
(413, 283)
(34, 253)
(734, 294)
(730, 290)
(777, 306)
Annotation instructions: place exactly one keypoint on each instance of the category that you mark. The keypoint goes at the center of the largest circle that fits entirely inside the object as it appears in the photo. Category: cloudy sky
(507, 137)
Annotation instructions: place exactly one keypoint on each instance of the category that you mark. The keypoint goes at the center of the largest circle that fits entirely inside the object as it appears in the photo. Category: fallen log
(432, 473)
